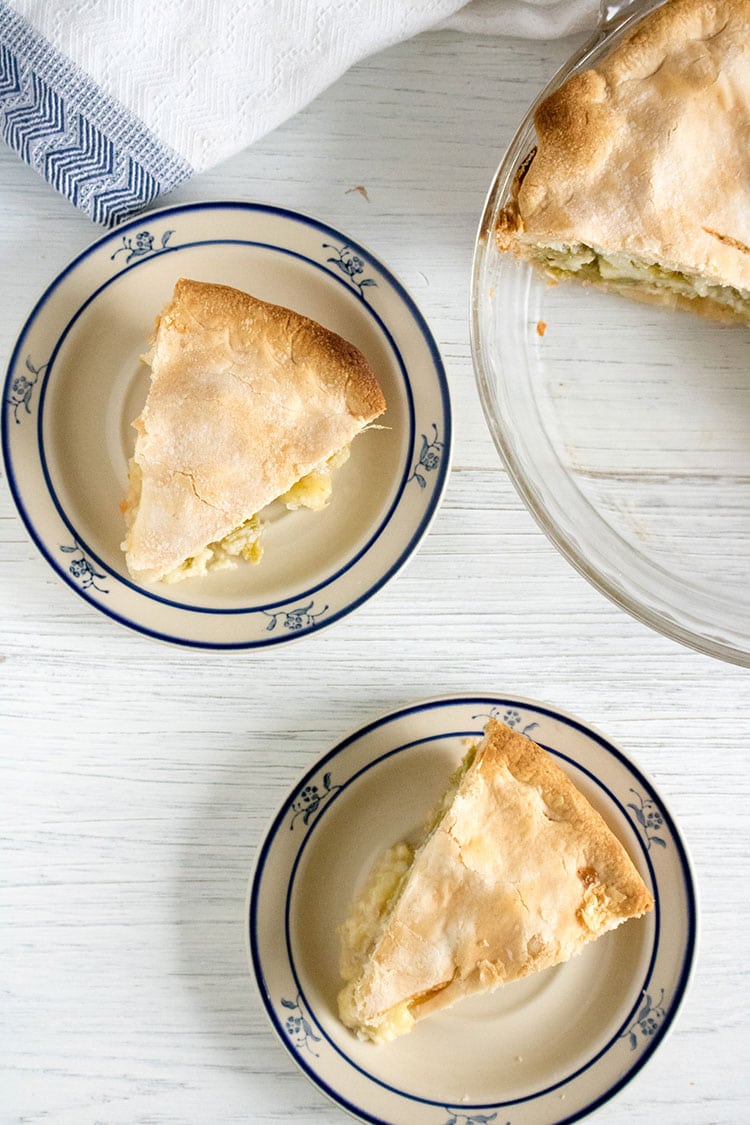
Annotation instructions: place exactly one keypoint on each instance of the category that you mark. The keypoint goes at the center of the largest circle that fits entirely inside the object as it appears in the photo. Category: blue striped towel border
(85, 144)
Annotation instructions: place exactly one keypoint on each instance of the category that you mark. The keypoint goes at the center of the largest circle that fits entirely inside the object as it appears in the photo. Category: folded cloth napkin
(115, 102)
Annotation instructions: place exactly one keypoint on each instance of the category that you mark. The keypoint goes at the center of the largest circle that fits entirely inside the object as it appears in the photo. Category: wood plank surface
(138, 779)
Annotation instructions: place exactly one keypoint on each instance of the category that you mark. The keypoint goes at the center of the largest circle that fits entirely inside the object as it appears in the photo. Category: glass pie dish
(625, 427)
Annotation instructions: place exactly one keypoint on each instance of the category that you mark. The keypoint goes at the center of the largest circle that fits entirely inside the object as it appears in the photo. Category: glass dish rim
(615, 20)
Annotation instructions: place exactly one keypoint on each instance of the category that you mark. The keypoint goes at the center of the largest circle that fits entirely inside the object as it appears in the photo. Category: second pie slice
(518, 872)
(249, 402)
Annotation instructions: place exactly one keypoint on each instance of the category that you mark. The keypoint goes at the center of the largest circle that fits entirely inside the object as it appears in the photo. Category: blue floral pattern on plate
(293, 619)
(351, 265)
(429, 458)
(647, 1022)
(298, 1027)
(312, 800)
(140, 245)
(22, 388)
(82, 570)
(457, 1117)
(648, 817)
(511, 717)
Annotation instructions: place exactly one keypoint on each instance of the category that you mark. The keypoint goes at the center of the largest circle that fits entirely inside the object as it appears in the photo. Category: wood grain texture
(137, 780)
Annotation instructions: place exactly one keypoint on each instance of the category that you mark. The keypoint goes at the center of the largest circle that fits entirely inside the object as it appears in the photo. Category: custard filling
(592, 264)
(311, 491)
(372, 908)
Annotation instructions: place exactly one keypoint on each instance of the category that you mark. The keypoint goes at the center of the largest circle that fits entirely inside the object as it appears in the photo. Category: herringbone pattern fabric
(115, 102)
(59, 121)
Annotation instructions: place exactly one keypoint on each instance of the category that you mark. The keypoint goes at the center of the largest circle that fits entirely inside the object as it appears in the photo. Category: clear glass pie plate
(625, 427)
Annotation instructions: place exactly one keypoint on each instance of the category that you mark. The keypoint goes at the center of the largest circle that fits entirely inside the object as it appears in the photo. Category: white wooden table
(138, 779)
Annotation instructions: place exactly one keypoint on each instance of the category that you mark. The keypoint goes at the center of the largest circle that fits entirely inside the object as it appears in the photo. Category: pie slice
(640, 181)
(517, 872)
(249, 402)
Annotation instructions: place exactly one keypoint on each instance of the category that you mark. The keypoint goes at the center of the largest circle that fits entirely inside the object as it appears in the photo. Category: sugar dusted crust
(646, 156)
(564, 804)
(246, 398)
(340, 368)
(518, 875)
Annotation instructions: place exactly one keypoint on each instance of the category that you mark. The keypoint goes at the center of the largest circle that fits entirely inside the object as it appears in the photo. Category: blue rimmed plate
(75, 383)
(542, 1051)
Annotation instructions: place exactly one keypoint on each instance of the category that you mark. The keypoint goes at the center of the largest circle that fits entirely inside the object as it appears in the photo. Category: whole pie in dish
(516, 872)
(640, 179)
(249, 403)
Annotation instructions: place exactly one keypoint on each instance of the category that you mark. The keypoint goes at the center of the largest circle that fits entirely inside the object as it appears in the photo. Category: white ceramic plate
(545, 1050)
(75, 383)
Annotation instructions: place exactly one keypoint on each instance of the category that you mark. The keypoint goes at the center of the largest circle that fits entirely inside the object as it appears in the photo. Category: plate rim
(411, 541)
(688, 955)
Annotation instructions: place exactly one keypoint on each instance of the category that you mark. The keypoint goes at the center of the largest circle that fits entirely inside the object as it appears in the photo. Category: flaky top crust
(649, 151)
(520, 874)
(246, 398)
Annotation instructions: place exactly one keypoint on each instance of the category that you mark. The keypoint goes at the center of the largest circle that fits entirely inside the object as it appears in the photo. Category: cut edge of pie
(516, 872)
(249, 403)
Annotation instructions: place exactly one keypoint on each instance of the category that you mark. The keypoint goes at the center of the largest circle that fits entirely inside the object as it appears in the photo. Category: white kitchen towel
(115, 102)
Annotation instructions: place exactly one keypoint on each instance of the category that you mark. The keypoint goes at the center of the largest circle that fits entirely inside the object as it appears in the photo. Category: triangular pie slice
(640, 180)
(249, 402)
(517, 873)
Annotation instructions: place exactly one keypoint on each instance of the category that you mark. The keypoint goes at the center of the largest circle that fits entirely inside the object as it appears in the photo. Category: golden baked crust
(646, 156)
(519, 874)
(246, 398)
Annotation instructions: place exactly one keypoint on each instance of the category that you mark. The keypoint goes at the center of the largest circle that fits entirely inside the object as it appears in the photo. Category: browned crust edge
(532, 765)
(225, 304)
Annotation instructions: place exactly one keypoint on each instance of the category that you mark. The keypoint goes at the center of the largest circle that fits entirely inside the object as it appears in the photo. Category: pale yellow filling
(312, 491)
(372, 908)
(597, 265)
(359, 933)
(243, 542)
